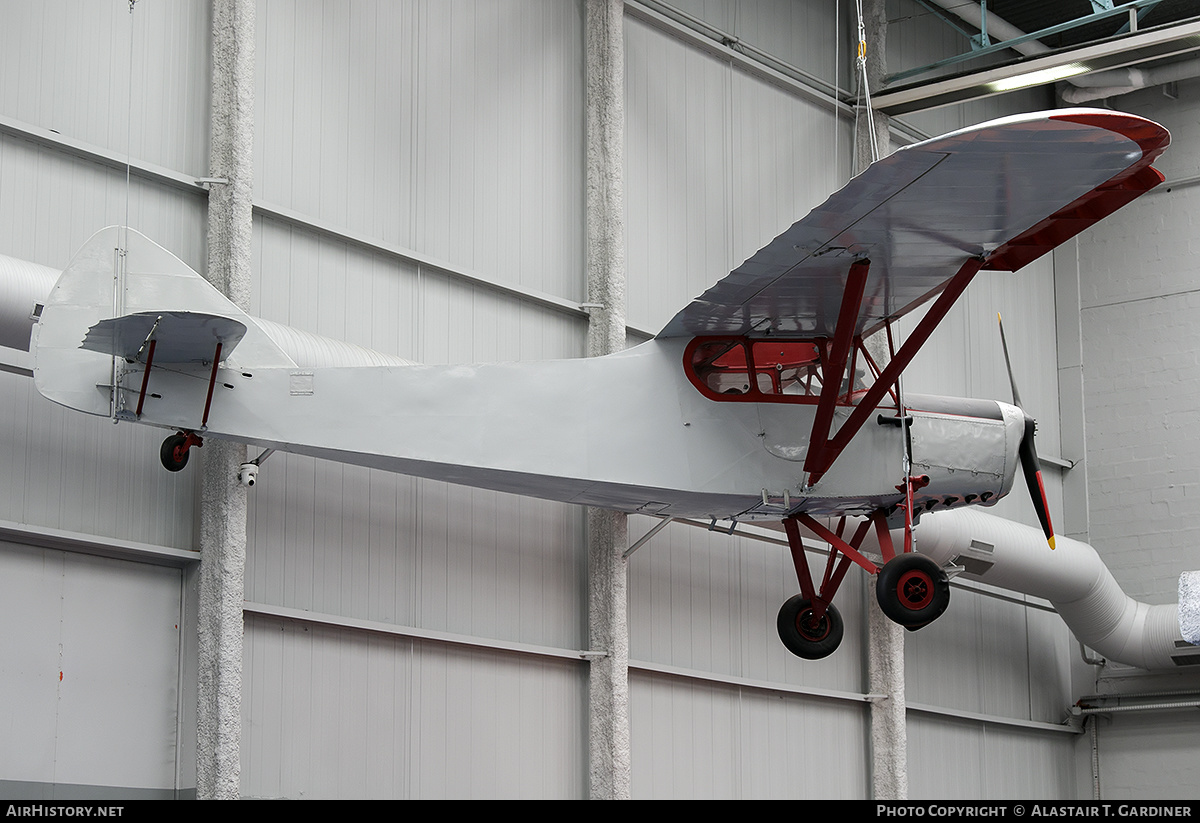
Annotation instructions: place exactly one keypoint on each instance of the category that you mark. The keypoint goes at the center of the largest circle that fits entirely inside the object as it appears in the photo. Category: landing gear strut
(808, 624)
(912, 589)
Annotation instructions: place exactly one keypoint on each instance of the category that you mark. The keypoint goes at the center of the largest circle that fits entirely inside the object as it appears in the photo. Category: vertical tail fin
(119, 286)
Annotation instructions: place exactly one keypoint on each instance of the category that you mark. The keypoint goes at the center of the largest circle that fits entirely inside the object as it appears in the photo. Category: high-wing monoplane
(758, 401)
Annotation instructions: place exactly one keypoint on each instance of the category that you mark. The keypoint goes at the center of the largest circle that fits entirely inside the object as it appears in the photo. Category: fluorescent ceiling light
(1037, 78)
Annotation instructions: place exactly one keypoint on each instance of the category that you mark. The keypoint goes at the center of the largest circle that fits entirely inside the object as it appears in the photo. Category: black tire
(805, 637)
(912, 590)
(173, 454)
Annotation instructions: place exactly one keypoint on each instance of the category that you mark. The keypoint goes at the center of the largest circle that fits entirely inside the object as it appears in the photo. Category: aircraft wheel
(805, 636)
(174, 452)
(912, 590)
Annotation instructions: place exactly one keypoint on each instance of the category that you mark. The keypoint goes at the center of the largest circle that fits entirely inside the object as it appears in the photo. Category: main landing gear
(174, 450)
(912, 590)
(804, 633)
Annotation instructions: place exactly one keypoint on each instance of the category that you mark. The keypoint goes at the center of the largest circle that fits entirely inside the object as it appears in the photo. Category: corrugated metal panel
(963, 760)
(67, 66)
(53, 203)
(708, 601)
(979, 658)
(90, 670)
(68, 471)
(801, 34)
(342, 714)
(709, 741)
(451, 128)
(717, 164)
(377, 546)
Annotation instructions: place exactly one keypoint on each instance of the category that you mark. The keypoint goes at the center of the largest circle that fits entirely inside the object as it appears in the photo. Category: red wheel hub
(914, 590)
(812, 628)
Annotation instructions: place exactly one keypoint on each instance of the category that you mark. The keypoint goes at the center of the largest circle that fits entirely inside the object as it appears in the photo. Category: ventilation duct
(1104, 84)
(1072, 577)
(23, 286)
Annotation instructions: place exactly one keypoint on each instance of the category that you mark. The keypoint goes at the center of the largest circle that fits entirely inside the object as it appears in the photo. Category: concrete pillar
(885, 646)
(608, 631)
(223, 500)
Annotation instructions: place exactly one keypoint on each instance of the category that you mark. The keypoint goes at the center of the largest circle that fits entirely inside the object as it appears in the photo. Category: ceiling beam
(1127, 51)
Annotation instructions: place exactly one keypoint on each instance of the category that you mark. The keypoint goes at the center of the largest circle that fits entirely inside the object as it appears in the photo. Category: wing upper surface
(1006, 192)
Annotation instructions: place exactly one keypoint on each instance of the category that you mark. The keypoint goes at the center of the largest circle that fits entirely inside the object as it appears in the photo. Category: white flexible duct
(1072, 577)
(22, 286)
(1105, 84)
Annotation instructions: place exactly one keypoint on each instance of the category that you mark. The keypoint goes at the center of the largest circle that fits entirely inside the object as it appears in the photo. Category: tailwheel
(174, 450)
(806, 635)
(912, 590)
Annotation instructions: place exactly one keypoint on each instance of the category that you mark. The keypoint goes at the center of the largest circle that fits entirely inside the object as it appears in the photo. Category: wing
(1004, 193)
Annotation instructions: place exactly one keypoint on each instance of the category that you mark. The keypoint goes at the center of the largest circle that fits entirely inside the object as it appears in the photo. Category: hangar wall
(419, 191)
(1140, 314)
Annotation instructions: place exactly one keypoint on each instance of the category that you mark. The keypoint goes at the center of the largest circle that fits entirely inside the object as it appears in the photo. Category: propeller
(1027, 453)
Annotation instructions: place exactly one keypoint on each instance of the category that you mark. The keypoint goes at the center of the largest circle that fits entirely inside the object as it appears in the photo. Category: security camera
(248, 474)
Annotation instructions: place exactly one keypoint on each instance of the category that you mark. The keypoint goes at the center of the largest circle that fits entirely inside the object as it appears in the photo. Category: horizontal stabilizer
(179, 336)
(120, 293)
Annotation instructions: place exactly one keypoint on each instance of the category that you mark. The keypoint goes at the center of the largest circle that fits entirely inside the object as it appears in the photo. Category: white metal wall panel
(1140, 320)
(717, 164)
(89, 674)
(800, 34)
(961, 759)
(352, 542)
(707, 601)
(54, 203)
(991, 656)
(76, 473)
(332, 713)
(451, 128)
(66, 65)
(702, 740)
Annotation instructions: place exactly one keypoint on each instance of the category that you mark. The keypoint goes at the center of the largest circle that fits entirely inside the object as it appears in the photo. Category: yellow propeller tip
(1050, 540)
